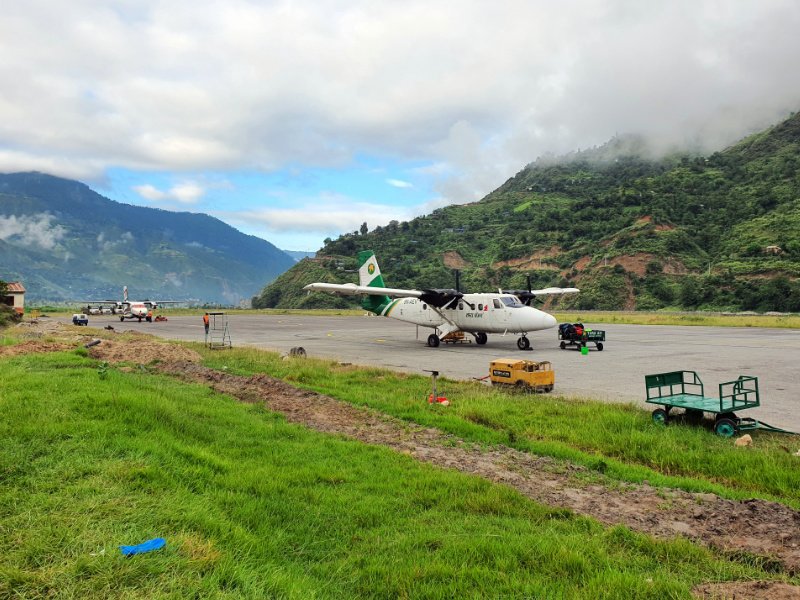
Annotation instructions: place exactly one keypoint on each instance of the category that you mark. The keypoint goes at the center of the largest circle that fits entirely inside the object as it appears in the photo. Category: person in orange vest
(205, 322)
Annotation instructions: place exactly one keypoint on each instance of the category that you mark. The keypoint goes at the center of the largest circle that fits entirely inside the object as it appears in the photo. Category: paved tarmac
(616, 374)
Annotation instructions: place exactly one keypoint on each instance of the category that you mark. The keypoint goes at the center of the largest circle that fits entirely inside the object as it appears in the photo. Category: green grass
(695, 319)
(253, 507)
(619, 441)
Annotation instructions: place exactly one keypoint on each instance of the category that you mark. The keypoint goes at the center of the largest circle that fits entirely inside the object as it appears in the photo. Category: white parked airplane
(447, 311)
(132, 309)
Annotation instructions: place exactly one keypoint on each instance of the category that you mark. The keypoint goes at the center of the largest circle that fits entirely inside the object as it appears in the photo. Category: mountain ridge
(681, 231)
(67, 242)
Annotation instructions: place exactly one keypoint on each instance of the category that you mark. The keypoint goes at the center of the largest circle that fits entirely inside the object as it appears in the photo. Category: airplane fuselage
(487, 313)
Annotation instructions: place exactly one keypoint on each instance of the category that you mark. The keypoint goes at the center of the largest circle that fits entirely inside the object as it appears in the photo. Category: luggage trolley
(578, 336)
(684, 389)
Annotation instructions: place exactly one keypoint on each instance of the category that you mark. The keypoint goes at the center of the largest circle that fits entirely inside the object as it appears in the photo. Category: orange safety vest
(205, 319)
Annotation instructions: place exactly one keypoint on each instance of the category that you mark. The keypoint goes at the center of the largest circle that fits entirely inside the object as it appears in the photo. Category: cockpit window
(511, 301)
(497, 303)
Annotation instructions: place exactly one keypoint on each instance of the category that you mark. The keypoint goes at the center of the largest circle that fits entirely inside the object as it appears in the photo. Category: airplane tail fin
(125, 293)
(369, 274)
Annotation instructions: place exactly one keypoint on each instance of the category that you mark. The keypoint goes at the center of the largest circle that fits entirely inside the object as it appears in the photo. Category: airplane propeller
(525, 296)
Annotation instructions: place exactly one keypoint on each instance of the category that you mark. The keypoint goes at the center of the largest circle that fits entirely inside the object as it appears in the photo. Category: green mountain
(66, 242)
(708, 232)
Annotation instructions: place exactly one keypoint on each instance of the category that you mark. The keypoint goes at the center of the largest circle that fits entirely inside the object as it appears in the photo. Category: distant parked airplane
(131, 309)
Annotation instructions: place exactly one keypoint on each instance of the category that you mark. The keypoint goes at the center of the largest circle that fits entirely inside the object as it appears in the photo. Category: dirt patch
(753, 526)
(637, 263)
(582, 263)
(34, 346)
(140, 349)
(532, 261)
(137, 348)
(747, 590)
(453, 260)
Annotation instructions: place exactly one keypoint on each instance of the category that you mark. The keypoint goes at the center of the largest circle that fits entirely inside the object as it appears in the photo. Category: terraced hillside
(708, 232)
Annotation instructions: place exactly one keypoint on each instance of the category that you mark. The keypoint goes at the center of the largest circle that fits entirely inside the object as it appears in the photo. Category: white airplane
(131, 309)
(447, 311)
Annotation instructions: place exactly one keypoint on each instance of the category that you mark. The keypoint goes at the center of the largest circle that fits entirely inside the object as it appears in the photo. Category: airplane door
(499, 312)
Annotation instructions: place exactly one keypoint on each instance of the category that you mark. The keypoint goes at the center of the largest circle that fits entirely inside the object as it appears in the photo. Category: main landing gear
(523, 343)
(433, 340)
(480, 338)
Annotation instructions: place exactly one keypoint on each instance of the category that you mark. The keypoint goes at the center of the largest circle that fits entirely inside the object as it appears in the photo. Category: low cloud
(183, 193)
(31, 230)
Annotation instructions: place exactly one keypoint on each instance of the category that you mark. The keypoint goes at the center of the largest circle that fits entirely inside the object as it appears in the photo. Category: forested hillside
(66, 242)
(695, 232)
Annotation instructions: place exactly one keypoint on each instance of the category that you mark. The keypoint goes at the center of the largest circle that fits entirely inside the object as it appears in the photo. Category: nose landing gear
(523, 343)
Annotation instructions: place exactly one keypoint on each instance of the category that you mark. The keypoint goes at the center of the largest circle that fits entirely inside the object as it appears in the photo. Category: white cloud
(31, 230)
(398, 183)
(479, 88)
(106, 245)
(183, 193)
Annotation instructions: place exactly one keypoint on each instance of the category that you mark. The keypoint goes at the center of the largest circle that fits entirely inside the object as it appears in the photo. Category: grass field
(619, 441)
(251, 506)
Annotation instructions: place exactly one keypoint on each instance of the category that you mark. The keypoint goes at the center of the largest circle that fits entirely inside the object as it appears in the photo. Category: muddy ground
(758, 527)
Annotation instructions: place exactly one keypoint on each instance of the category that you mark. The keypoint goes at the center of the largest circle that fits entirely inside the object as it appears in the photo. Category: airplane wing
(552, 291)
(526, 296)
(434, 297)
(351, 289)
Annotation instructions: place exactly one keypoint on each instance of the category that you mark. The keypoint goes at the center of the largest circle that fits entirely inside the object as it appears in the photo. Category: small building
(14, 297)
(773, 250)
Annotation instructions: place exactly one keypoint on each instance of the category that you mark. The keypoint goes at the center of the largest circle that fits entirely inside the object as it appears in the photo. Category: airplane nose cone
(537, 320)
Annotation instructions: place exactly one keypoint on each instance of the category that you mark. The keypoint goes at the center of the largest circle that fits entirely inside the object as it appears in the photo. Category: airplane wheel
(481, 338)
(523, 343)
(433, 340)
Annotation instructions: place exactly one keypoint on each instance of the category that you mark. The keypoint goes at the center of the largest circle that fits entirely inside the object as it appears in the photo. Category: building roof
(15, 287)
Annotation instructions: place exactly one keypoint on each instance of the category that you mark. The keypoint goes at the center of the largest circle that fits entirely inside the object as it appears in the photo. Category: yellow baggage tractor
(523, 375)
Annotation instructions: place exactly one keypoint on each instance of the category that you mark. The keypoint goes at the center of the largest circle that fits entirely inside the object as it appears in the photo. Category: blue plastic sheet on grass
(148, 546)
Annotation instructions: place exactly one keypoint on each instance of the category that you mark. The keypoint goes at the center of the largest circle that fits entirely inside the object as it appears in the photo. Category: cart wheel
(563, 345)
(725, 427)
(600, 346)
(660, 416)
(523, 387)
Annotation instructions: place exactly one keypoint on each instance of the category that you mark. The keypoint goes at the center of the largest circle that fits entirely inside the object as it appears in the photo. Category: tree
(364, 229)
(3, 288)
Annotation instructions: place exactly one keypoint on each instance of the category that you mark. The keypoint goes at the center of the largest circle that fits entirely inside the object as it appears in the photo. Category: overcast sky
(296, 121)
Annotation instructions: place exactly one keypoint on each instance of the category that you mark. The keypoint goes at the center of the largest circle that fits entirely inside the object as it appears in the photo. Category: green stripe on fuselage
(390, 307)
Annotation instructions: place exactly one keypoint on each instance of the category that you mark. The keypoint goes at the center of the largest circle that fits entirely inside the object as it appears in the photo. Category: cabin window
(511, 301)
(424, 306)
(460, 306)
(480, 306)
(497, 303)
